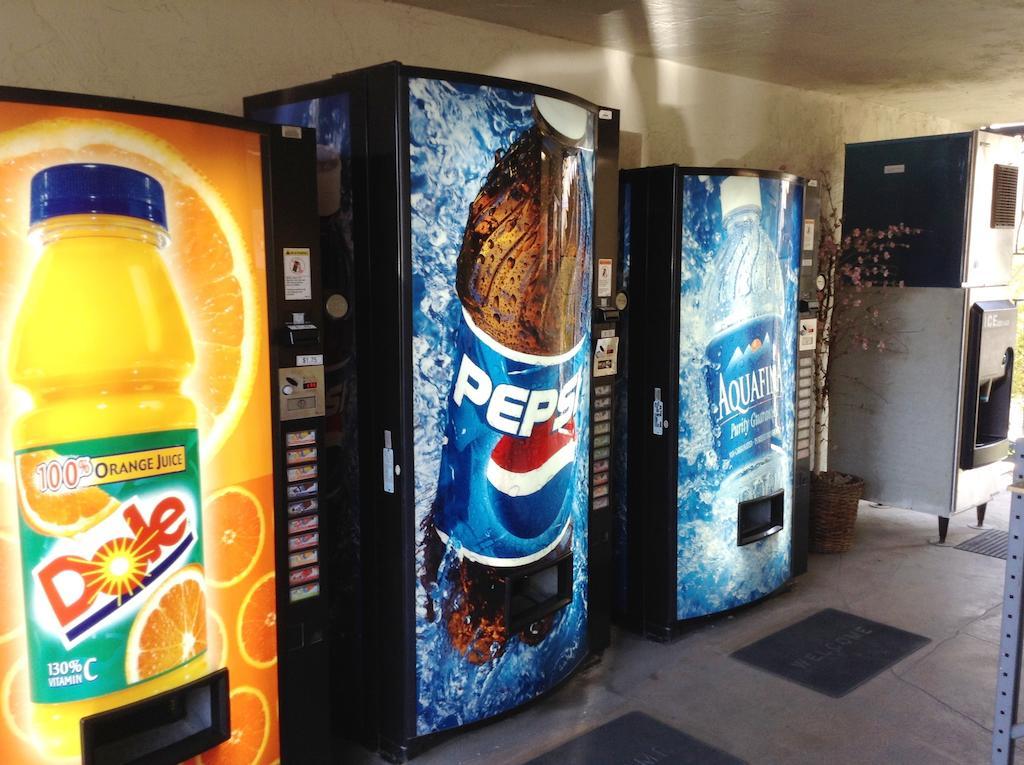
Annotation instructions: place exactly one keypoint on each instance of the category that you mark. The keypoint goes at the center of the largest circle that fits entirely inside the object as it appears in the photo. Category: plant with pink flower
(855, 269)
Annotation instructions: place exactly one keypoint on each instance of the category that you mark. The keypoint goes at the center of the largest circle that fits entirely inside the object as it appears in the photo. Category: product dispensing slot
(538, 592)
(167, 728)
(992, 329)
(760, 518)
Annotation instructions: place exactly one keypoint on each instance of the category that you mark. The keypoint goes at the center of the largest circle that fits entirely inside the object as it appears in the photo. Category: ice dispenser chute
(992, 330)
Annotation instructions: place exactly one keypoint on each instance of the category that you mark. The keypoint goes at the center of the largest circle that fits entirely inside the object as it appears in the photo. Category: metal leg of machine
(980, 510)
(943, 528)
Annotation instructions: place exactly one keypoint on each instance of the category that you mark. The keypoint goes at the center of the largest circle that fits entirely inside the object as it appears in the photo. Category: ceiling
(959, 59)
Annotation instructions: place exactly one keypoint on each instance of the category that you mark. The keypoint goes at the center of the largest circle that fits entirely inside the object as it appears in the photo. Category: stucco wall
(208, 54)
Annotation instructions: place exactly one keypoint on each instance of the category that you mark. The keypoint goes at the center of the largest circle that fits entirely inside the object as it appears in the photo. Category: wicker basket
(833, 513)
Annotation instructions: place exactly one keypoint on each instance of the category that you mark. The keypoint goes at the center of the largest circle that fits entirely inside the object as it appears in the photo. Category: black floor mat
(992, 543)
(635, 738)
(831, 652)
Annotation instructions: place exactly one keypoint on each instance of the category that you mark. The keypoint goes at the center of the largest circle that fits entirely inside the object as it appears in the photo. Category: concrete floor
(935, 706)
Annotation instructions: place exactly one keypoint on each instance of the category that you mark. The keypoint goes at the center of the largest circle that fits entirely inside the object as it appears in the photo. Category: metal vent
(1004, 196)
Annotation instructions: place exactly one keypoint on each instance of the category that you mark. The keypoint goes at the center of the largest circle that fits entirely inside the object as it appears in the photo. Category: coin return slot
(537, 593)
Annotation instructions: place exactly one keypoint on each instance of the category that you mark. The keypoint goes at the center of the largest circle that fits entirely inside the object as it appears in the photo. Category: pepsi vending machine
(457, 218)
(705, 523)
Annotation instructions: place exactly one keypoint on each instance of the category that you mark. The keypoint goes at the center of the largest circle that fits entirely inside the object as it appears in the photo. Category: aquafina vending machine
(706, 519)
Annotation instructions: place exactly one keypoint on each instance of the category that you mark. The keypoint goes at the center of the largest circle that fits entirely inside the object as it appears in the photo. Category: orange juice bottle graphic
(107, 459)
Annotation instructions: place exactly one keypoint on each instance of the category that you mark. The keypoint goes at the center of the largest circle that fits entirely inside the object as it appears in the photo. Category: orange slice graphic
(170, 628)
(233, 527)
(12, 614)
(250, 730)
(256, 629)
(218, 639)
(14, 703)
(58, 514)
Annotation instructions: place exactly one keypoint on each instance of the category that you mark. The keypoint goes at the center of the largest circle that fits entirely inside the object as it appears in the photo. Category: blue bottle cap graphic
(96, 189)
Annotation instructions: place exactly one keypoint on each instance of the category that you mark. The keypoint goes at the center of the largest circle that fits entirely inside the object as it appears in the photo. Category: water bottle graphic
(508, 474)
(744, 303)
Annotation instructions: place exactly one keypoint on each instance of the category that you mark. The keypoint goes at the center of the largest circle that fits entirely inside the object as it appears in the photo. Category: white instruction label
(606, 356)
(604, 277)
(808, 334)
(809, 234)
(298, 282)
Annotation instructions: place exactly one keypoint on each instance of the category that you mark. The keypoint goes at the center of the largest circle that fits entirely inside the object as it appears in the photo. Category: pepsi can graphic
(508, 468)
(512, 468)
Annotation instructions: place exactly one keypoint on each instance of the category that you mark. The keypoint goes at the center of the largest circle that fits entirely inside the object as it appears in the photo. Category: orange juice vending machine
(161, 405)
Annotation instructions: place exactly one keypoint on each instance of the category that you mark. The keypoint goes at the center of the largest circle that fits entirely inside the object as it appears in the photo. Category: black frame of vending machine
(289, 188)
(303, 644)
(379, 103)
(653, 462)
(605, 317)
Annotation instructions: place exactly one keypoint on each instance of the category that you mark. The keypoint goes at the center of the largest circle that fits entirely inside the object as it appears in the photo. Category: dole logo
(87, 580)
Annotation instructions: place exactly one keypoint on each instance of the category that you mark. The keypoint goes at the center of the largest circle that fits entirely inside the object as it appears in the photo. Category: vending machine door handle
(389, 464)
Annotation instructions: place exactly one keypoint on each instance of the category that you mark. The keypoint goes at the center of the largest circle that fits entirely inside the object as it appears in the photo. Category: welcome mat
(635, 738)
(992, 543)
(831, 652)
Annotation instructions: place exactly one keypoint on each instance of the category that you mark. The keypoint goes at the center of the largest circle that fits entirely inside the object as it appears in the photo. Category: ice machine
(926, 423)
